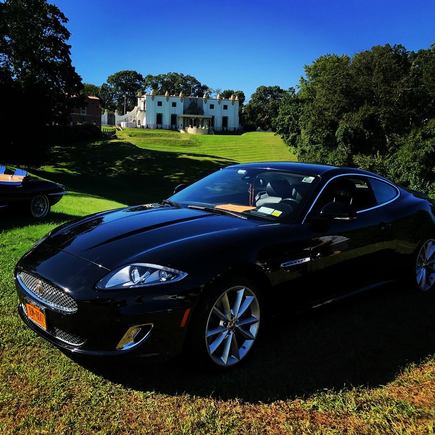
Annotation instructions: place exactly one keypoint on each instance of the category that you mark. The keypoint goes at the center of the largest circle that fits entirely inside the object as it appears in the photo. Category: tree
(36, 72)
(287, 121)
(374, 110)
(91, 90)
(239, 94)
(263, 107)
(174, 83)
(121, 89)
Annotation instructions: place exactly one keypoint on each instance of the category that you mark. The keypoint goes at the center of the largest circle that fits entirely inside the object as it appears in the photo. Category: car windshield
(259, 192)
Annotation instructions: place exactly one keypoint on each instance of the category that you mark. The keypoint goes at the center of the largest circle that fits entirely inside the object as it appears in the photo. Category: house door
(174, 121)
(224, 122)
(159, 120)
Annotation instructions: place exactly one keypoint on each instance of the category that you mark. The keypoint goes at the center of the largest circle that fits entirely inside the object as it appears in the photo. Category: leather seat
(276, 191)
(299, 191)
(344, 192)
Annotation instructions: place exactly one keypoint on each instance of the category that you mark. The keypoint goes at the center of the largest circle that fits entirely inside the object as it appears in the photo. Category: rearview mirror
(338, 211)
(180, 187)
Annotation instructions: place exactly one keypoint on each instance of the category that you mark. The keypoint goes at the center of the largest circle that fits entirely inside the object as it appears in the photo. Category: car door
(9, 193)
(347, 255)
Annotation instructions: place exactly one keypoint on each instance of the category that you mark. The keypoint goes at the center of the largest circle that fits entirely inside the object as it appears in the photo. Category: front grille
(48, 294)
(68, 337)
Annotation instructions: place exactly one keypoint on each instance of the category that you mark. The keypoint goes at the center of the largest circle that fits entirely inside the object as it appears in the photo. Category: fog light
(134, 336)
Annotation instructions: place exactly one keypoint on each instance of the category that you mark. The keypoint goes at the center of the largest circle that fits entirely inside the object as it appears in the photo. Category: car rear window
(383, 192)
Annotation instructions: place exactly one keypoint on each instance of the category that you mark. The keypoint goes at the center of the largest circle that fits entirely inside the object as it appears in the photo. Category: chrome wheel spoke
(421, 276)
(238, 301)
(245, 305)
(235, 347)
(219, 313)
(227, 347)
(217, 342)
(226, 306)
(215, 331)
(247, 322)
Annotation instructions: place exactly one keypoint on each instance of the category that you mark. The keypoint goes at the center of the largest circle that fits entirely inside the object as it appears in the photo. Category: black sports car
(197, 272)
(35, 195)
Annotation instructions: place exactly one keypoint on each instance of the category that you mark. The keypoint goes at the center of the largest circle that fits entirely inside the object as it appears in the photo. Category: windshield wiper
(217, 210)
(171, 203)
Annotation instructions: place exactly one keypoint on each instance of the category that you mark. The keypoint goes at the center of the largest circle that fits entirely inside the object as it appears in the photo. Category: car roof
(303, 168)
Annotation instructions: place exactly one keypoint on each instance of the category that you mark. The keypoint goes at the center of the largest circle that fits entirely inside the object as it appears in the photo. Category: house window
(174, 104)
(211, 106)
(83, 110)
(225, 106)
(159, 119)
(159, 103)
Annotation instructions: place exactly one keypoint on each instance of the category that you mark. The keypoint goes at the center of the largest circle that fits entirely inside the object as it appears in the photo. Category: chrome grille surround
(46, 293)
(67, 337)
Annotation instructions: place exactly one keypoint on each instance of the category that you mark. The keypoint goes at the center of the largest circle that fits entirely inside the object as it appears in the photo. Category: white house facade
(196, 115)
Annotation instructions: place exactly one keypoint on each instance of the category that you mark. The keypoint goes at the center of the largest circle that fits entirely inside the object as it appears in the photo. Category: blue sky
(237, 44)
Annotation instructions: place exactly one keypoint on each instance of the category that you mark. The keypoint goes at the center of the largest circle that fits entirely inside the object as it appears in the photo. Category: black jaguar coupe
(36, 196)
(197, 272)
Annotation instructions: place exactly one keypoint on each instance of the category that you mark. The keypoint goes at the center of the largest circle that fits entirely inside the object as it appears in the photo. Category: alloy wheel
(39, 206)
(425, 266)
(232, 326)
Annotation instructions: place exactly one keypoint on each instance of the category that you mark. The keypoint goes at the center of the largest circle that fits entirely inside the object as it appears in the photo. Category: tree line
(375, 110)
(121, 89)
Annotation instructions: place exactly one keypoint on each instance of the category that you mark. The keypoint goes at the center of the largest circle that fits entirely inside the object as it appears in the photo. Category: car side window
(353, 191)
(383, 192)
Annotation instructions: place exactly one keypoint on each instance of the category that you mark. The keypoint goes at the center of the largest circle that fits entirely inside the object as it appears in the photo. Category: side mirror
(179, 188)
(338, 211)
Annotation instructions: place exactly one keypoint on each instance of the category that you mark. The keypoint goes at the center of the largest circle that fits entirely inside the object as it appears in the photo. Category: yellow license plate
(36, 315)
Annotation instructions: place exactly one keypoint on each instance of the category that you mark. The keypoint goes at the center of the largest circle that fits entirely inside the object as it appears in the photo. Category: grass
(363, 366)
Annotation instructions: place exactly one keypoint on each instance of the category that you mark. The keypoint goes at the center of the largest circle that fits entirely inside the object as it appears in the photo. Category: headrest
(279, 188)
(299, 191)
(344, 191)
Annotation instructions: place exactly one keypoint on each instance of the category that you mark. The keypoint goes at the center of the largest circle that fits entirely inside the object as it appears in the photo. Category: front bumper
(101, 321)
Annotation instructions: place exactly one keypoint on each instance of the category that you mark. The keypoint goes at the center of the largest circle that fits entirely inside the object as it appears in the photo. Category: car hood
(114, 238)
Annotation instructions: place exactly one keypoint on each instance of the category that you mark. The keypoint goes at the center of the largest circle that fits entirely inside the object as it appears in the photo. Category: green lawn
(364, 366)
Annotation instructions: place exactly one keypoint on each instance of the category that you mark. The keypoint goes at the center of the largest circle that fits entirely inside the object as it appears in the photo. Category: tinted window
(354, 191)
(383, 192)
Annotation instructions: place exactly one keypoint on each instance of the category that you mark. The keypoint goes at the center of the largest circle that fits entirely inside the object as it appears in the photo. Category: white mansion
(196, 115)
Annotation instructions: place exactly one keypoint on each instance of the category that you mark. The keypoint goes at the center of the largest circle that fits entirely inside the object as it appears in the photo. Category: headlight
(140, 275)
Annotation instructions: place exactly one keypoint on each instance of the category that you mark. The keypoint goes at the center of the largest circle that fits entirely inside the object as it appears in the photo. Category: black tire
(197, 347)
(424, 267)
(39, 207)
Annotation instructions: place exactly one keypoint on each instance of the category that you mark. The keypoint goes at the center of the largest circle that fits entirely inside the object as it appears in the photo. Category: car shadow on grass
(17, 218)
(364, 341)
